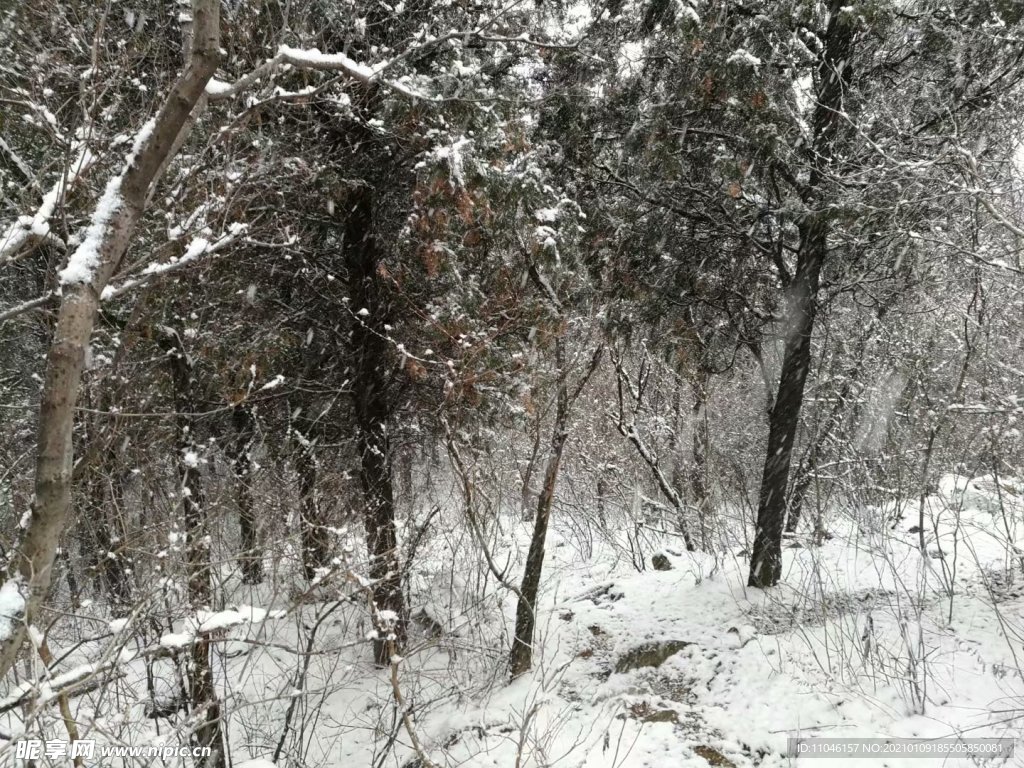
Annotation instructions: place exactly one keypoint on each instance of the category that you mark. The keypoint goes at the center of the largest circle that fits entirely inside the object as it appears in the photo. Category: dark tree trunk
(804, 479)
(117, 569)
(675, 454)
(371, 376)
(101, 542)
(202, 693)
(74, 591)
(527, 505)
(833, 76)
(100, 510)
(699, 469)
(316, 546)
(766, 560)
(250, 556)
(521, 658)
(602, 496)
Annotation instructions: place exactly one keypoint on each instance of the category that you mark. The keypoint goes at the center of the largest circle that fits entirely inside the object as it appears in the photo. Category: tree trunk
(95, 260)
(833, 76)
(666, 485)
(99, 510)
(527, 505)
(521, 658)
(678, 478)
(250, 556)
(766, 560)
(371, 376)
(111, 566)
(202, 693)
(699, 469)
(316, 547)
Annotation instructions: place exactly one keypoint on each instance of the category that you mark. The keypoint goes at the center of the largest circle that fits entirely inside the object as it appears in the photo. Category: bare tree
(88, 272)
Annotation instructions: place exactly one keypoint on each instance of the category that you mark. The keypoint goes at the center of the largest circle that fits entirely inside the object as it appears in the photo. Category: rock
(648, 714)
(713, 756)
(651, 654)
(432, 628)
(662, 716)
(740, 636)
(660, 562)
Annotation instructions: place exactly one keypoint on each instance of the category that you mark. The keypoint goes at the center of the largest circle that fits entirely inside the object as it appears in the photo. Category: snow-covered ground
(655, 668)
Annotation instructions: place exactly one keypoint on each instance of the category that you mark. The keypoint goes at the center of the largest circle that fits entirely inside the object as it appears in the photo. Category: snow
(631, 58)
(176, 640)
(12, 606)
(688, 12)
(454, 156)
(51, 688)
(314, 58)
(196, 248)
(215, 87)
(825, 654)
(744, 57)
(255, 615)
(38, 225)
(220, 620)
(274, 383)
(572, 24)
(83, 263)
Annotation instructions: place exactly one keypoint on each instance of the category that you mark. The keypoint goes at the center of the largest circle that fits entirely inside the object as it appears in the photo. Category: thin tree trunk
(99, 510)
(521, 658)
(701, 441)
(766, 560)
(527, 507)
(202, 693)
(833, 76)
(116, 564)
(316, 547)
(678, 479)
(628, 430)
(373, 419)
(250, 556)
(95, 261)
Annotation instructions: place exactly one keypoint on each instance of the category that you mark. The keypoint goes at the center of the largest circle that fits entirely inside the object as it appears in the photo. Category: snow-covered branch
(313, 58)
(196, 249)
(28, 306)
(997, 215)
(35, 228)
